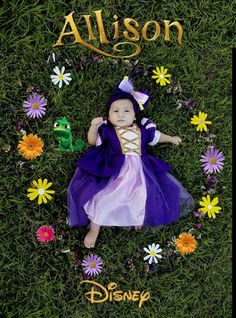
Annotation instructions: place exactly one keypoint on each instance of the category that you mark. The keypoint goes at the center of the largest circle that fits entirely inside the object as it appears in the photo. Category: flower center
(152, 253)
(61, 77)
(30, 146)
(35, 105)
(45, 234)
(185, 244)
(213, 160)
(162, 76)
(209, 206)
(201, 121)
(41, 191)
(92, 264)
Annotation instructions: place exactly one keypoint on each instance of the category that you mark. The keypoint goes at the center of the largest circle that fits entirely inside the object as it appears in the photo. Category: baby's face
(121, 113)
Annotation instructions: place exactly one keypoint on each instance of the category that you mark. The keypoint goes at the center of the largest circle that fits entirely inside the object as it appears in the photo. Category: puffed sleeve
(101, 133)
(152, 133)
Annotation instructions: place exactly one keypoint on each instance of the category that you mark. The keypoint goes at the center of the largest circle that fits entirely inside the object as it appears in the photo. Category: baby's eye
(127, 111)
(115, 111)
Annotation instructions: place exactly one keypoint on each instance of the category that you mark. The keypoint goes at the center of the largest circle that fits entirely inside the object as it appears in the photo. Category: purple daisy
(212, 160)
(34, 106)
(92, 265)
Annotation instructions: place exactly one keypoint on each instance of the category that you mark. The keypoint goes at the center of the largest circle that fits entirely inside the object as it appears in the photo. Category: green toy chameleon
(63, 134)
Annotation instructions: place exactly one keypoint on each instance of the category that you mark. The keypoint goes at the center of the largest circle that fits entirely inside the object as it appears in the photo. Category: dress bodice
(130, 139)
(115, 143)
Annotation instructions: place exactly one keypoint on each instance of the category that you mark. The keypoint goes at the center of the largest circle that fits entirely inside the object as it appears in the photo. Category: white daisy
(60, 77)
(152, 251)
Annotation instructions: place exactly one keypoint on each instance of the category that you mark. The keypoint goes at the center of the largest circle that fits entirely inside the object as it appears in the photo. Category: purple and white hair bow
(126, 85)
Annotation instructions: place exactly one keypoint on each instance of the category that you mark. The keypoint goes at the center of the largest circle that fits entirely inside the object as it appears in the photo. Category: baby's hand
(176, 140)
(97, 122)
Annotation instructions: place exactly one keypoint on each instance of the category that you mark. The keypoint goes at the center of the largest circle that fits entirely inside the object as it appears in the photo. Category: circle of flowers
(185, 243)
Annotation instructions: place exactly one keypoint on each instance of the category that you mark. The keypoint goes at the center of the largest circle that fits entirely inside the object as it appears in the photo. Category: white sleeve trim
(151, 125)
(144, 120)
(98, 140)
(155, 139)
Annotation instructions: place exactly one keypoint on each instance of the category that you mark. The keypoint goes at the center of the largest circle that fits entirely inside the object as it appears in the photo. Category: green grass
(40, 281)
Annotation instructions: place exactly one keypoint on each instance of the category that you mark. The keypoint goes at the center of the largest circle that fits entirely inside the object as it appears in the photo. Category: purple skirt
(138, 195)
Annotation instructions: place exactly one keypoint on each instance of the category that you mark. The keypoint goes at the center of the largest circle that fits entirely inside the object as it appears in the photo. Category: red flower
(45, 234)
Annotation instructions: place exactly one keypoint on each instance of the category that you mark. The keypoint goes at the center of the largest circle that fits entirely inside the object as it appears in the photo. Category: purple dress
(117, 183)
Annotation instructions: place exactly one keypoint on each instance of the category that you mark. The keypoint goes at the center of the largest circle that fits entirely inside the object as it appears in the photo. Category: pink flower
(45, 234)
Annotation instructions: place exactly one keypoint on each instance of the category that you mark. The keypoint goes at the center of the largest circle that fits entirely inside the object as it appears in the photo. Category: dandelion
(41, 191)
(212, 160)
(34, 106)
(209, 206)
(60, 77)
(200, 121)
(152, 251)
(45, 234)
(186, 243)
(30, 147)
(92, 265)
(161, 75)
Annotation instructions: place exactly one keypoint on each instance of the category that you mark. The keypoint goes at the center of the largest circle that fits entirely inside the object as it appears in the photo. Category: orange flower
(186, 243)
(31, 146)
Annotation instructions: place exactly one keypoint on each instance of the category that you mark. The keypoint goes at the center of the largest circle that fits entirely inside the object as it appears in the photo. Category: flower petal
(215, 201)
(146, 250)
(56, 70)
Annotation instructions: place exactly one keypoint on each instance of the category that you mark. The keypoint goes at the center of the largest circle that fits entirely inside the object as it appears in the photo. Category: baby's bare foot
(138, 227)
(91, 237)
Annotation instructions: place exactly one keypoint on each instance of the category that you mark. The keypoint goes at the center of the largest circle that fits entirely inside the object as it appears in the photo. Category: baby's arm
(93, 130)
(172, 139)
(155, 136)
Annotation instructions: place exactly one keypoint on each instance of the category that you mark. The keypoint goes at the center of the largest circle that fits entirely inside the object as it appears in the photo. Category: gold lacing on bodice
(130, 140)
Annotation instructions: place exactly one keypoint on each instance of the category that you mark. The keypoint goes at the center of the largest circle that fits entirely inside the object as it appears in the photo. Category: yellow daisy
(200, 121)
(40, 191)
(186, 243)
(160, 75)
(209, 206)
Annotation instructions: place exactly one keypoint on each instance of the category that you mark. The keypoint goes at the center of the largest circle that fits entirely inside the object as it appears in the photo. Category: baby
(117, 183)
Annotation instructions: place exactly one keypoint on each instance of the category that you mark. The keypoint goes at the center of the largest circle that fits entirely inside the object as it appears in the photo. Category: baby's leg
(138, 227)
(91, 236)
